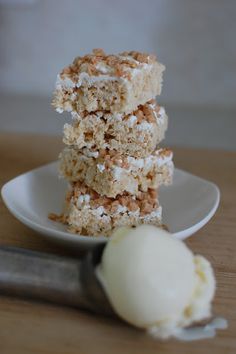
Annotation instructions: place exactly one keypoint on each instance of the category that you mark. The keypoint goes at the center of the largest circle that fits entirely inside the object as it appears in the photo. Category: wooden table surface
(28, 327)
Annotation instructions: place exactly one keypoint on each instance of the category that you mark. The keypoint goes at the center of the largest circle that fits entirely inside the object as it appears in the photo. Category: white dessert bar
(111, 173)
(88, 213)
(116, 83)
(136, 134)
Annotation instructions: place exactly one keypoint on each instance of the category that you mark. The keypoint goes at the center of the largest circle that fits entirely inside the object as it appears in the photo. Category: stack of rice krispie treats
(112, 160)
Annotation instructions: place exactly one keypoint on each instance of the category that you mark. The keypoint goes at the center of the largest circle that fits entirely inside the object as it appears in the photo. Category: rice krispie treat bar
(111, 173)
(88, 213)
(116, 83)
(136, 134)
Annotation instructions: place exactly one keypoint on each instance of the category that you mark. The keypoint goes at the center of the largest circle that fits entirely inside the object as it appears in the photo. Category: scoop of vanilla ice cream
(154, 281)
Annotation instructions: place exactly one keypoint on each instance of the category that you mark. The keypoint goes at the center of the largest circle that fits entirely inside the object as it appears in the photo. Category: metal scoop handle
(56, 279)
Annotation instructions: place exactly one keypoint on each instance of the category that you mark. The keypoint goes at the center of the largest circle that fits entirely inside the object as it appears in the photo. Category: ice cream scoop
(143, 275)
(61, 280)
(154, 281)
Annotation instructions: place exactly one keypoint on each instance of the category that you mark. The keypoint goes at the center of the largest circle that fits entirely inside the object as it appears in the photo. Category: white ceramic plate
(188, 204)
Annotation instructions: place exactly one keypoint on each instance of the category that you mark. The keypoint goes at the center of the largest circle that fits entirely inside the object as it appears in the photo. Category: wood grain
(27, 327)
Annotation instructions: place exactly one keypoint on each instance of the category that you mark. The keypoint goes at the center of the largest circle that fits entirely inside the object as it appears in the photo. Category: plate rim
(64, 236)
